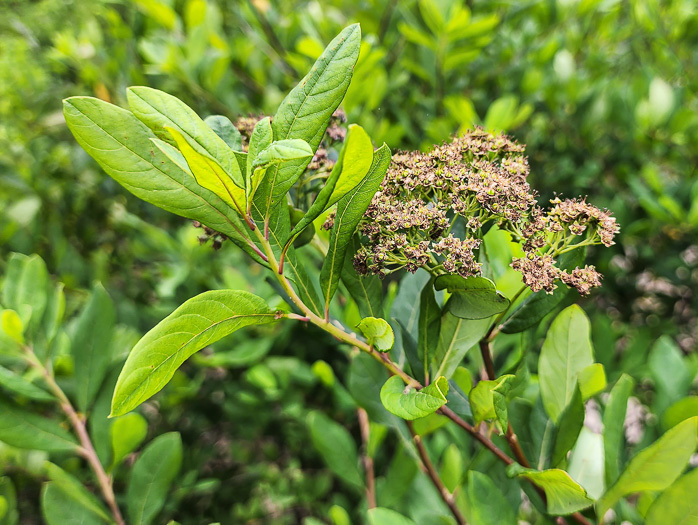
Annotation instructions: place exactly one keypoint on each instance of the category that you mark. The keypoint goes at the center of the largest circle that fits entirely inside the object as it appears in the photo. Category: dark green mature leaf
(306, 111)
(678, 504)
(16, 384)
(199, 322)
(613, 427)
(472, 298)
(159, 110)
(538, 305)
(382, 516)
(121, 144)
(429, 325)
(75, 492)
(23, 429)
(564, 495)
(568, 427)
(153, 473)
(657, 466)
(350, 209)
(378, 333)
(565, 353)
(366, 290)
(60, 507)
(405, 307)
(224, 128)
(91, 346)
(337, 448)
(486, 503)
(409, 403)
(456, 337)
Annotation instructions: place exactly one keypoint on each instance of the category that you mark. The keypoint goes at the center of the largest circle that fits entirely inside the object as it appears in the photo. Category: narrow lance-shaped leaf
(262, 136)
(209, 174)
(378, 333)
(199, 322)
(410, 403)
(16, 384)
(472, 298)
(568, 427)
(76, 492)
(226, 130)
(563, 494)
(122, 146)
(428, 326)
(350, 210)
(306, 111)
(657, 466)
(613, 423)
(159, 110)
(23, 429)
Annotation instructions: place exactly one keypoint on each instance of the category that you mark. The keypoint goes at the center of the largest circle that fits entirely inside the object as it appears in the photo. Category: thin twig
(433, 474)
(367, 459)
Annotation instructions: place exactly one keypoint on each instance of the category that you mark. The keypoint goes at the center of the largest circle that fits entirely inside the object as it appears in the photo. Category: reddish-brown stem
(367, 459)
(433, 474)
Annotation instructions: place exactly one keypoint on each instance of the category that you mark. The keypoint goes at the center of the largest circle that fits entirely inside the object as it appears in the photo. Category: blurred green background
(603, 92)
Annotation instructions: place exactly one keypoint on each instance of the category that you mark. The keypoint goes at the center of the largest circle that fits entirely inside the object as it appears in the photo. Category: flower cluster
(432, 207)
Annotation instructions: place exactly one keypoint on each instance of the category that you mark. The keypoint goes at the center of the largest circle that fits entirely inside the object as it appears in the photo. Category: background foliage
(602, 92)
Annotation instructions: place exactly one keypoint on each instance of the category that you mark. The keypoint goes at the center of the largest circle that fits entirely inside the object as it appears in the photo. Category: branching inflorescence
(433, 209)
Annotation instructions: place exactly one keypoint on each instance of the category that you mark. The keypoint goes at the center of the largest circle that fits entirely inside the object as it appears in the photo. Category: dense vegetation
(603, 94)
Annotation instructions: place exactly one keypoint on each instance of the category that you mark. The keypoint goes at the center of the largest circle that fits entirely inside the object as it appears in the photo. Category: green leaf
(429, 323)
(568, 427)
(337, 448)
(121, 144)
(159, 110)
(153, 473)
(486, 503)
(592, 380)
(656, 467)
(456, 337)
(25, 292)
(671, 376)
(538, 305)
(409, 403)
(127, 433)
(262, 136)
(366, 290)
(199, 322)
(613, 423)
(60, 507)
(382, 516)
(350, 210)
(472, 298)
(91, 346)
(488, 400)
(378, 333)
(224, 128)
(563, 494)
(682, 409)
(74, 490)
(22, 429)
(282, 151)
(452, 464)
(565, 353)
(173, 154)
(358, 150)
(209, 174)
(8, 494)
(306, 111)
(15, 383)
(12, 325)
(678, 504)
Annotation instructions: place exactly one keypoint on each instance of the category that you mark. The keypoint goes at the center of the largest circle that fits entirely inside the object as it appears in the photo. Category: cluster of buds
(432, 207)
(216, 238)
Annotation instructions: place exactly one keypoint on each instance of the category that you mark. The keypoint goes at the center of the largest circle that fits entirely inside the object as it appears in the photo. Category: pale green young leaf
(12, 326)
(472, 298)
(592, 380)
(282, 151)
(306, 111)
(378, 333)
(486, 503)
(262, 136)
(91, 346)
(678, 504)
(199, 322)
(383, 516)
(27, 295)
(564, 495)
(75, 491)
(152, 475)
(121, 144)
(613, 423)
(60, 507)
(337, 448)
(209, 174)
(23, 429)
(565, 353)
(127, 433)
(159, 110)
(429, 323)
(456, 337)
(350, 210)
(409, 403)
(16, 384)
(488, 400)
(655, 467)
(226, 130)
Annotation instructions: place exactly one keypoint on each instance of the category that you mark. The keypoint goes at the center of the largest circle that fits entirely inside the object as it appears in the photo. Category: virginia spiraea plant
(480, 269)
